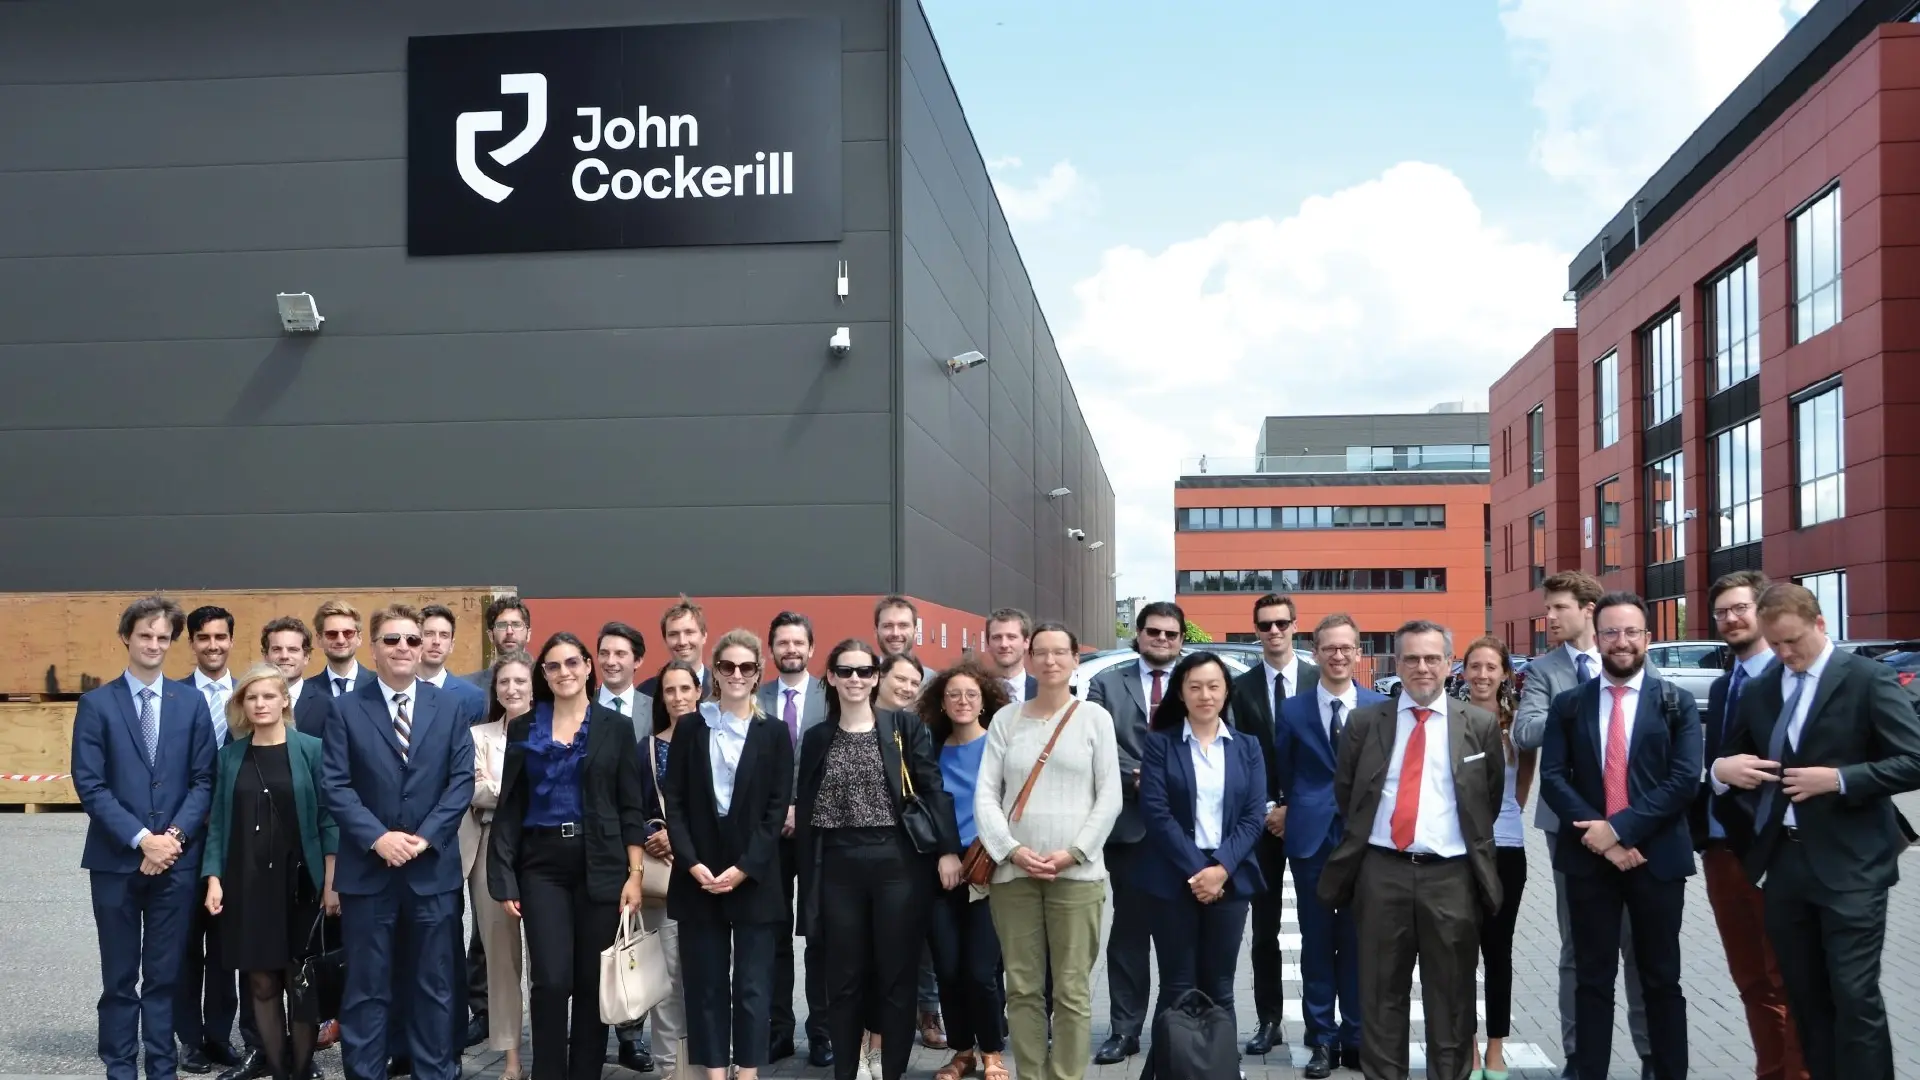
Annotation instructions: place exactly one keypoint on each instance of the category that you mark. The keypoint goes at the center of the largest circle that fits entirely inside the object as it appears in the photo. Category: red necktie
(1159, 685)
(1616, 767)
(1406, 801)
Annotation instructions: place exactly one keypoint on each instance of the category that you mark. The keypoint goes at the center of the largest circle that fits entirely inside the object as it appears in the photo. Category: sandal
(993, 1068)
(959, 1068)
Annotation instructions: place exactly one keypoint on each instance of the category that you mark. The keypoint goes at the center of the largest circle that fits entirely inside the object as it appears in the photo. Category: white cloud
(1621, 83)
(1041, 198)
(1391, 295)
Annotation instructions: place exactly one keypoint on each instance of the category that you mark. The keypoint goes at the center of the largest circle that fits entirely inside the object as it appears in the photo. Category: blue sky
(1231, 210)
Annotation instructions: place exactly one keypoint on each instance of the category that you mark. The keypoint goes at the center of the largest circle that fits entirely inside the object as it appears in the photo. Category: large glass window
(1733, 323)
(1669, 619)
(1666, 516)
(1816, 266)
(1537, 549)
(1537, 633)
(1736, 485)
(1819, 453)
(1536, 445)
(1830, 588)
(1606, 380)
(1252, 518)
(1431, 579)
(1660, 352)
(1607, 515)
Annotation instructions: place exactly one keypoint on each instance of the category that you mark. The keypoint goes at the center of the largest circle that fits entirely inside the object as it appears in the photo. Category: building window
(1536, 445)
(1465, 457)
(1606, 380)
(1537, 549)
(1736, 485)
(1830, 589)
(1660, 349)
(1249, 518)
(1669, 619)
(1819, 453)
(1607, 514)
(1666, 518)
(1431, 579)
(1537, 633)
(1506, 451)
(1733, 323)
(1816, 266)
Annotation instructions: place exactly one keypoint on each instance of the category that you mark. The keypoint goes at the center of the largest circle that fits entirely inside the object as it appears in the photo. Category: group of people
(238, 821)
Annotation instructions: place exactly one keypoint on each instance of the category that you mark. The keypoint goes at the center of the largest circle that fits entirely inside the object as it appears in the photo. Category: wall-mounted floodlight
(841, 343)
(299, 314)
(1097, 544)
(968, 359)
(1059, 493)
(1571, 296)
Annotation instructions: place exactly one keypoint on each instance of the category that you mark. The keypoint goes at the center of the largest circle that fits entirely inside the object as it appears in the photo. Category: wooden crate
(64, 644)
(36, 739)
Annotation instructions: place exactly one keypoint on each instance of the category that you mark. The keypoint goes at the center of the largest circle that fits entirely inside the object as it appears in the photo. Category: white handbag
(633, 972)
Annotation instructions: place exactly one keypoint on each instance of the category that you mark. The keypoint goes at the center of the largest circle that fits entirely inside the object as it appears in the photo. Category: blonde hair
(332, 608)
(238, 723)
(740, 639)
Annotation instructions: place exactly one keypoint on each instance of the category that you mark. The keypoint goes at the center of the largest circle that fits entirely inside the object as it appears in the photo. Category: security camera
(841, 343)
(968, 359)
(1077, 534)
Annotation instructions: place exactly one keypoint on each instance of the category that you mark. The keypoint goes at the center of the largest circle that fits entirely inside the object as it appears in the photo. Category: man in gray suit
(1573, 659)
(510, 625)
(799, 701)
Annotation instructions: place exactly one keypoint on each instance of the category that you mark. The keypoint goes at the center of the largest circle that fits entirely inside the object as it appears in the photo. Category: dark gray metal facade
(609, 423)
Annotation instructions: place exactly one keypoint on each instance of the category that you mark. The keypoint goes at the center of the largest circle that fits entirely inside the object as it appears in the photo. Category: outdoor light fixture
(1096, 544)
(298, 313)
(1059, 493)
(1077, 534)
(841, 343)
(968, 359)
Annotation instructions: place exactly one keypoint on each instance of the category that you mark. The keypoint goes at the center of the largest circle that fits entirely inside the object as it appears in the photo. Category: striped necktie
(402, 726)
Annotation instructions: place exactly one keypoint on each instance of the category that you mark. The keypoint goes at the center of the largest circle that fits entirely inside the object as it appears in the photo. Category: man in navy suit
(436, 647)
(1008, 632)
(1306, 750)
(399, 778)
(338, 624)
(287, 644)
(142, 763)
(1619, 765)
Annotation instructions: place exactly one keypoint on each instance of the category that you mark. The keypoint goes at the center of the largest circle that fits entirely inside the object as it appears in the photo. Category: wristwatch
(178, 836)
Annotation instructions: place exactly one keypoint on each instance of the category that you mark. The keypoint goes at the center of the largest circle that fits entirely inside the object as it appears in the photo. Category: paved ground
(49, 978)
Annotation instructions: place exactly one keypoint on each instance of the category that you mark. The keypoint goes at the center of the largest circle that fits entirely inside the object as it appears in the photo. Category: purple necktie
(792, 716)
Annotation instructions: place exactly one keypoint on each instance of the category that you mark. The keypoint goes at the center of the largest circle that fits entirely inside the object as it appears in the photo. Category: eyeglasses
(338, 635)
(848, 671)
(1623, 633)
(1423, 661)
(571, 663)
(1340, 650)
(509, 624)
(1268, 626)
(1056, 654)
(1156, 632)
(963, 695)
(392, 640)
(744, 667)
(1731, 611)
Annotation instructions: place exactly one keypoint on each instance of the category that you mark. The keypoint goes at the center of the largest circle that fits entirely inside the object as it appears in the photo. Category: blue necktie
(149, 725)
(1585, 665)
(1734, 686)
(339, 686)
(1775, 745)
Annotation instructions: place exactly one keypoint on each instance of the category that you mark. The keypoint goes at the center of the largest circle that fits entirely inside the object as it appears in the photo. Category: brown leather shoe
(932, 1035)
(329, 1035)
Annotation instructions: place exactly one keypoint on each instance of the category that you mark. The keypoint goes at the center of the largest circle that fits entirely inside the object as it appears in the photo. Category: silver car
(1235, 656)
(1690, 665)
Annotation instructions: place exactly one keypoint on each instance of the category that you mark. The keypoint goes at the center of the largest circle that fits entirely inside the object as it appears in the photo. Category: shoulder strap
(652, 765)
(1026, 790)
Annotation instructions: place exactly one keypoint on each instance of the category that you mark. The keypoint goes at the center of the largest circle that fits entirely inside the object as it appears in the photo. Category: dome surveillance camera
(1078, 534)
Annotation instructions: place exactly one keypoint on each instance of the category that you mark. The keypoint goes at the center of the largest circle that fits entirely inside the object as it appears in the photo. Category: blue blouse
(554, 770)
(960, 771)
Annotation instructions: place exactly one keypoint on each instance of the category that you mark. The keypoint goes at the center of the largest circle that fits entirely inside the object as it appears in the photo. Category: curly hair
(932, 705)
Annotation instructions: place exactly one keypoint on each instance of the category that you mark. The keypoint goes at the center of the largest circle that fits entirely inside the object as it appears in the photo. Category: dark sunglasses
(1156, 632)
(391, 640)
(338, 635)
(744, 667)
(848, 671)
(1268, 626)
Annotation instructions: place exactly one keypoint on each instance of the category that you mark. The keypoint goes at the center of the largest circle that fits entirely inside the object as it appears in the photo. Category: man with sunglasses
(339, 626)
(399, 779)
(1258, 696)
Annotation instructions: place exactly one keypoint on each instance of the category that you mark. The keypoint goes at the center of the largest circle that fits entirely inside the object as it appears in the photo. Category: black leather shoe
(634, 1056)
(1269, 1034)
(400, 1065)
(194, 1060)
(780, 1050)
(819, 1053)
(221, 1053)
(1350, 1058)
(477, 1030)
(313, 1072)
(1320, 1065)
(1117, 1049)
(252, 1065)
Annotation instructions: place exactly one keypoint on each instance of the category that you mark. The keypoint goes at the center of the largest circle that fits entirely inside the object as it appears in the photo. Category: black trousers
(1269, 993)
(1496, 940)
(207, 997)
(1595, 902)
(1198, 946)
(1129, 946)
(966, 961)
(875, 893)
(726, 972)
(566, 931)
(1828, 943)
(783, 1019)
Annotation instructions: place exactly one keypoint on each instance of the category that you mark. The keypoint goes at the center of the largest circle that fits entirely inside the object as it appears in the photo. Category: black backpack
(1194, 1040)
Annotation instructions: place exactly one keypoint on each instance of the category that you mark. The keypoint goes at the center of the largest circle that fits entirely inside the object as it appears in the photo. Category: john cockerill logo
(534, 86)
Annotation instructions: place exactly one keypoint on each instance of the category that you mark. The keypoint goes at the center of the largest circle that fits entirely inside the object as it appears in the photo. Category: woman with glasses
(1489, 675)
(899, 686)
(677, 697)
(565, 851)
(509, 697)
(1049, 884)
(957, 707)
(866, 776)
(729, 780)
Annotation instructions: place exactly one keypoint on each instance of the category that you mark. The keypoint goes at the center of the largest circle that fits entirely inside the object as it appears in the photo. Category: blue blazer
(1664, 755)
(1167, 804)
(121, 793)
(472, 697)
(1305, 762)
(370, 792)
(313, 709)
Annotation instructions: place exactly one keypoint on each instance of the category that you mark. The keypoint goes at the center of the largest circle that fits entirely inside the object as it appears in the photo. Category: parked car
(1877, 648)
(1690, 665)
(1905, 663)
(1234, 654)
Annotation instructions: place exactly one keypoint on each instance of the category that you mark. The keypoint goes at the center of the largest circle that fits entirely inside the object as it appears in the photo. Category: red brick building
(1741, 389)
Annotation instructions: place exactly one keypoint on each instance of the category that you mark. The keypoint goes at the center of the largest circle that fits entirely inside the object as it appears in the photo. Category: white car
(1235, 656)
(1690, 665)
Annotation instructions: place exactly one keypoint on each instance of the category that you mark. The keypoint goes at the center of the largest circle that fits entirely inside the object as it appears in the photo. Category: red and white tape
(35, 778)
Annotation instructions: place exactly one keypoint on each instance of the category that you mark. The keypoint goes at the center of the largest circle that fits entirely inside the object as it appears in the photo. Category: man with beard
(510, 626)
(339, 626)
(1723, 832)
(799, 701)
(684, 628)
(1620, 766)
(1008, 631)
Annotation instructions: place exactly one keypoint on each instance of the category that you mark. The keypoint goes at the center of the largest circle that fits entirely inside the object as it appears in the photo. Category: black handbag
(1194, 1039)
(915, 815)
(319, 979)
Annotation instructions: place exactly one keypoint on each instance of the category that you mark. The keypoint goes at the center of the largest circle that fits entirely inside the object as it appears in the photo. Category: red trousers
(1740, 912)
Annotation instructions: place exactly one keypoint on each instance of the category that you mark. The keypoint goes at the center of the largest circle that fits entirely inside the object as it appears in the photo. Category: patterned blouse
(853, 791)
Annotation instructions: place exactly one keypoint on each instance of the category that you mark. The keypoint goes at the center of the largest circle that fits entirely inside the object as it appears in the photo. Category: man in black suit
(1257, 697)
(1821, 743)
(1008, 632)
(1620, 765)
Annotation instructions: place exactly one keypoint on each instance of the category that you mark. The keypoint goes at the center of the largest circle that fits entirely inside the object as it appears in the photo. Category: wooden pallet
(36, 739)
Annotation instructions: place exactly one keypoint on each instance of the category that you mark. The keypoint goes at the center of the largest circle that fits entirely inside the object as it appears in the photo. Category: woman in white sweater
(1049, 872)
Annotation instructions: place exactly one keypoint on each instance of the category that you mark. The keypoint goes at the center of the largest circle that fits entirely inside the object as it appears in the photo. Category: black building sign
(633, 136)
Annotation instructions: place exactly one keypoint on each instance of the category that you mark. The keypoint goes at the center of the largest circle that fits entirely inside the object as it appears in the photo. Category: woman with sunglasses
(565, 852)
(1050, 881)
(864, 885)
(509, 697)
(1489, 674)
(677, 697)
(957, 707)
(729, 780)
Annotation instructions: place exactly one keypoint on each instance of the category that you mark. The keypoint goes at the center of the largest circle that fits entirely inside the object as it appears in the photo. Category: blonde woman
(269, 860)
(509, 697)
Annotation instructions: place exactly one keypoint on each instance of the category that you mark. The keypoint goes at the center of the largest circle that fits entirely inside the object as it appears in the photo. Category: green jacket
(319, 836)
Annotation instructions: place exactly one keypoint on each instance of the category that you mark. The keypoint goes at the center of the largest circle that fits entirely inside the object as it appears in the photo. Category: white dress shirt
(293, 690)
(412, 691)
(1436, 830)
(1327, 699)
(1209, 784)
(134, 686)
(1146, 684)
(1592, 655)
(438, 680)
(729, 741)
(1291, 673)
(1630, 704)
(624, 698)
(799, 692)
(352, 677)
(1798, 721)
(217, 691)
(1017, 686)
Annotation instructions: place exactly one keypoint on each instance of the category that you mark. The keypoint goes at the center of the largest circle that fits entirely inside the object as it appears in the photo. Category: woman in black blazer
(565, 852)
(729, 780)
(864, 889)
